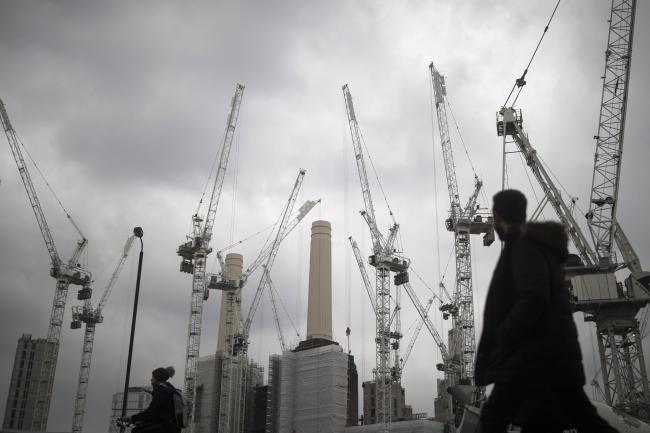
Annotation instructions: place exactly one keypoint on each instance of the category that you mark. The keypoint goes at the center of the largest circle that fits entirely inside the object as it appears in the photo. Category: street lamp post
(137, 232)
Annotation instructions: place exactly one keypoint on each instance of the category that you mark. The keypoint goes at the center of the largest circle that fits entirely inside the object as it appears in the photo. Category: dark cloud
(123, 107)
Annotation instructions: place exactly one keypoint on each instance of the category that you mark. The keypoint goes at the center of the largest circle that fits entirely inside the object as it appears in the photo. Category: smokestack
(319, 313)
(232, 271)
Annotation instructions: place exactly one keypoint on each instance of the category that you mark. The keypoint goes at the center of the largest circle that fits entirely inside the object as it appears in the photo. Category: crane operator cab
(638, 285)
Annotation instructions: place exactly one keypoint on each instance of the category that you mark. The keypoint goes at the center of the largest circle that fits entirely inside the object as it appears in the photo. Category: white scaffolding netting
(313, 390)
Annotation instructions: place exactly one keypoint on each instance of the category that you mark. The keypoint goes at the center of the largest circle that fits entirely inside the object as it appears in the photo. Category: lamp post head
(137, 232)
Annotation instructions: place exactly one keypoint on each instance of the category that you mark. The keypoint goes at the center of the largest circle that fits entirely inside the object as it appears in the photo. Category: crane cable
(217, 156)
(277, 293)
(521, 81)
(372, 165)
(460, 136)
(56, 197)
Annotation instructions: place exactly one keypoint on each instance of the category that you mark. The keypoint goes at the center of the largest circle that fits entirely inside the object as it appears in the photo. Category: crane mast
(91, 317)
(64, 273)
(601, 217)
(462, 338)
(194, 252)
(385, 259)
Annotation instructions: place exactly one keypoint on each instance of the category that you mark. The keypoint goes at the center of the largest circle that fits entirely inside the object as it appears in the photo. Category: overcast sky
(123, 106)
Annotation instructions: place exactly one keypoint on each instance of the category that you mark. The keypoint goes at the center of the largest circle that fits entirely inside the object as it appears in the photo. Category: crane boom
(439, 93)
(430, 327)
(194, 252)
(355, 132)
(266, 252)
(415, 335)
(14, 144)
(268, 283)
(364, 274)
(601, 217)
(509, 123)
(223, 162)
(215, 283)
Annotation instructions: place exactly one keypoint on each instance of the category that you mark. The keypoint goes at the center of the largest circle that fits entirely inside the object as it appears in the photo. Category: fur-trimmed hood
(550, 234)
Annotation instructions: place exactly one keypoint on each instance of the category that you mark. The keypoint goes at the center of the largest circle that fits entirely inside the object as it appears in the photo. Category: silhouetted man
(529, 345)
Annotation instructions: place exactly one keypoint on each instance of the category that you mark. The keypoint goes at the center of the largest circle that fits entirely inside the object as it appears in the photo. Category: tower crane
(237, 339)
(91, 317)
(385, 259)
(601, 217)
(65, 273)
(612, 305)
(463, 223)
(194, 252)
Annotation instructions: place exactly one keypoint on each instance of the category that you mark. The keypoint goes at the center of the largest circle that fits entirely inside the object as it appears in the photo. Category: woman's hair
(160, 374)
(170, 371)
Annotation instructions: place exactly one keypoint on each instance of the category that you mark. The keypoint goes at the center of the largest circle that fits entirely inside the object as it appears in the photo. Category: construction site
(300, 280)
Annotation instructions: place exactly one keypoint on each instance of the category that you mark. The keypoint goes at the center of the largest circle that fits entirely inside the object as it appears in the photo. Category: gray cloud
(123, 107)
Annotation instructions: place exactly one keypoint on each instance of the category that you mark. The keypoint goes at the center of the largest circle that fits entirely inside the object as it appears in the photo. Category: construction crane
(91, 317)
(612, 305)
(194, 252)
(463, 222)
(65, 273)
(237, 339)
(601, 217)
(385, 259)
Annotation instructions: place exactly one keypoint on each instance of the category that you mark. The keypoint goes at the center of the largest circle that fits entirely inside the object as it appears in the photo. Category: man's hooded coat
(529, 336)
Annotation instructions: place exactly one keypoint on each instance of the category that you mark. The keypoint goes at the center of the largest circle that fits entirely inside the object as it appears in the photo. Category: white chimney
(319, 312)
(232, 271)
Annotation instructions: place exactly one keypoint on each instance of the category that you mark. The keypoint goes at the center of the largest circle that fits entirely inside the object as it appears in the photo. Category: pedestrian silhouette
(529, 346)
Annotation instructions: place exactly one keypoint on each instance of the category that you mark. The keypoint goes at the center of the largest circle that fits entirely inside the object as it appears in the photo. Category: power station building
(313, 388)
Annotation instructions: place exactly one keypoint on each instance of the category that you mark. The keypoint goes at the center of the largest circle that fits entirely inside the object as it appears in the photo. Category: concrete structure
(234, 264)
(399, 410)
(21, 398)
(352, 417)
(319, 313)
(138, 399)
(258, 414)
(273, 395)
